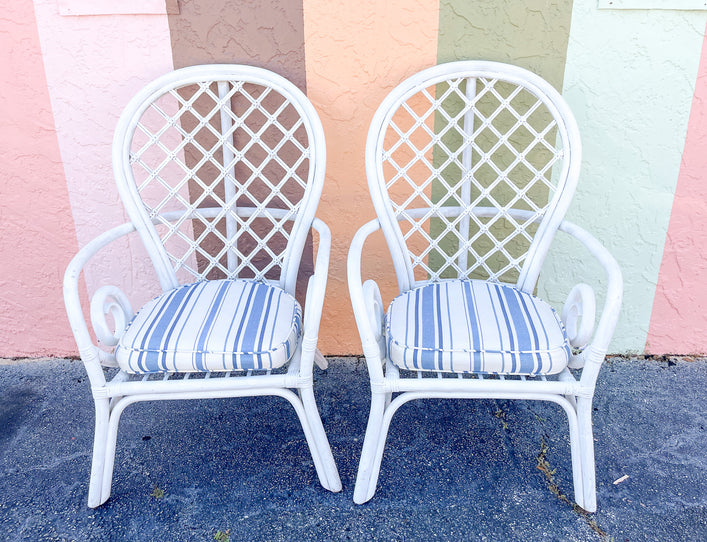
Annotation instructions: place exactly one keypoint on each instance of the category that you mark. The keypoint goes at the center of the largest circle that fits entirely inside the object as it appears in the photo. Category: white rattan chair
(220, 169)
(471, 167)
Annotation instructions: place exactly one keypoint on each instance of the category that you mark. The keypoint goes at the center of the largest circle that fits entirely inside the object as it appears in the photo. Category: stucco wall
(634, 79)
(37, 237)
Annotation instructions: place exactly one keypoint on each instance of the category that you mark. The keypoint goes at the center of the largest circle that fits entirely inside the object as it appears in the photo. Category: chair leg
(576, 454)
(111, 439)
(326, 466)
(586, 445)
(369, 464)
(100, 438)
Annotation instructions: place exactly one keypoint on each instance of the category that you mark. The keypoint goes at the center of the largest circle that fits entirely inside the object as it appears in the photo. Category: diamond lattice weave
(470, 143)
(470, 326)
(219, 325)
(222, 168)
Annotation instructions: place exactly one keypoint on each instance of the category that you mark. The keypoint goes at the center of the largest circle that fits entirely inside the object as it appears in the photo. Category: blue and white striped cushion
(217, 325)
(472, 326)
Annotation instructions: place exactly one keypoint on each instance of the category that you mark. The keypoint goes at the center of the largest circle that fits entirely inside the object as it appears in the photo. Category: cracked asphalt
(239, 469)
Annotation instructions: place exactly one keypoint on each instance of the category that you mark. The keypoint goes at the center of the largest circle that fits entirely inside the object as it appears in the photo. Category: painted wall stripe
(679, 318)
(37, 237)
(266, 34)
(531, 34)
(357, 51)
(90, 80)
(631, 95)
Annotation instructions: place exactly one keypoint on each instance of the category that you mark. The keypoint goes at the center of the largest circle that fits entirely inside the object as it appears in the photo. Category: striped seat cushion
(472, 326)
(218, 325)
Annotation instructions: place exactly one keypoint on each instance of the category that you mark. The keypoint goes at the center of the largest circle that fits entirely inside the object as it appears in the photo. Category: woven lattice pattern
(223, 167)
(466, 144)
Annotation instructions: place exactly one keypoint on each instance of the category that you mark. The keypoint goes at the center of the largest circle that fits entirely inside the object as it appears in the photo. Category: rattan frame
(392, 388)
(294, 382)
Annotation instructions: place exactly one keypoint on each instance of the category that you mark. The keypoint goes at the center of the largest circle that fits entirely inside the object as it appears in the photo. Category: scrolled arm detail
(579, 314)
(110, 300)
(593, 354)
(375, 311)
(367, 304)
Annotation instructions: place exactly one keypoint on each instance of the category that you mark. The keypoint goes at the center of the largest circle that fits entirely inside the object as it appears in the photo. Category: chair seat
(473, 326)
(219, 325)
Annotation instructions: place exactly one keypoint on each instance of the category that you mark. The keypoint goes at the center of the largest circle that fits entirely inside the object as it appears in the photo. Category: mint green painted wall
(629, 79)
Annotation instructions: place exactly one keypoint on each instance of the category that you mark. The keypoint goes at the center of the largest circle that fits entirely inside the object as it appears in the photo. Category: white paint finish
(90, 80)
(630, 86)
(653, 4)
(69, 8)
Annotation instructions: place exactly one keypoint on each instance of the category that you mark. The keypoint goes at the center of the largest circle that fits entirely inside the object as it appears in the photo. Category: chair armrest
(316, 288)
(366, 302)
(90, 353)
(593, 355)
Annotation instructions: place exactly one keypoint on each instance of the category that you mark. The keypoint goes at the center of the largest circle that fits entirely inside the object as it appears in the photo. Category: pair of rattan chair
(471, 167)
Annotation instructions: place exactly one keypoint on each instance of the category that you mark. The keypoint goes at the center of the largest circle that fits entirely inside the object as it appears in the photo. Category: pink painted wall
(679, 317)
(37, 237)
(356, 51)
(94, 65)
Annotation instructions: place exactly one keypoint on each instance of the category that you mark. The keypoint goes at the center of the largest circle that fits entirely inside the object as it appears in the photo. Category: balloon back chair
(471, 167)
(220, 169)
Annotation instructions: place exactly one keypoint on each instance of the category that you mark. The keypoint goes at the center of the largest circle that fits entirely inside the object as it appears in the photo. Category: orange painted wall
(356, 52)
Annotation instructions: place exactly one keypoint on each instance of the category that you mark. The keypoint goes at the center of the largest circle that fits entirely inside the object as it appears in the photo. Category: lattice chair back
(471, 167)
(220, 168)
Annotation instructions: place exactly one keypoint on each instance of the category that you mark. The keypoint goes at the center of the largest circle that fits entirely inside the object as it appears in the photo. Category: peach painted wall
(356, 52)
(94, 65)
(37, 237)
(679, 318)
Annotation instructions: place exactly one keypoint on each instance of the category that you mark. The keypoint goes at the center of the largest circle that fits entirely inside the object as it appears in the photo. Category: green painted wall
(630, 86)
(533, 35)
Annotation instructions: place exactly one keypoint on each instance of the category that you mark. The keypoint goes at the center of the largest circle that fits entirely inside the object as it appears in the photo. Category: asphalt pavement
(239, 469)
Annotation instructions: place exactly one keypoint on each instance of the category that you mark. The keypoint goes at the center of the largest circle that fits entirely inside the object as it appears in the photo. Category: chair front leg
(370, 462)
(586, 446)
(100, 441)
(326, 466)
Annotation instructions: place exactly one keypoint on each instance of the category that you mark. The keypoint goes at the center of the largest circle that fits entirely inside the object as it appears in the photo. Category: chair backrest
(220, 168)
(471, 166)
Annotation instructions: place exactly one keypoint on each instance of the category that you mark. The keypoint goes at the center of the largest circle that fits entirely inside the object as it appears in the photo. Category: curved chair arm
(91, 355)
(592, 356)
(316, 288)
(367, 305)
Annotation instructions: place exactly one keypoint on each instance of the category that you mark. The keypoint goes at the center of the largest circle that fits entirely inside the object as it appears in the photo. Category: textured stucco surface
(94, 65)
(36, 231)
(630, 76)
(530, 34)
(268, 34)
(679, 320)
(630, 87)
(356, 52)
